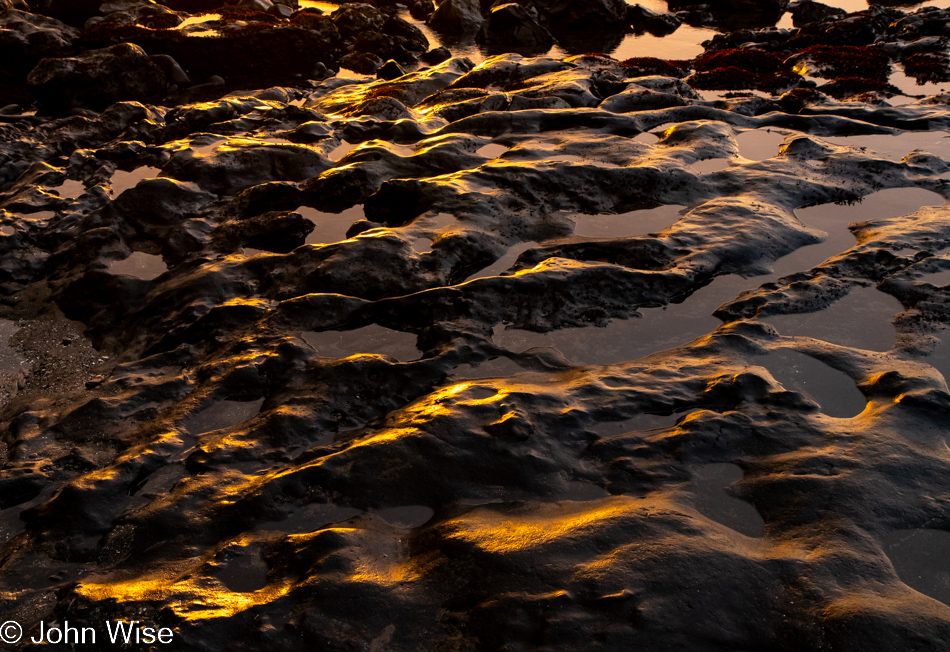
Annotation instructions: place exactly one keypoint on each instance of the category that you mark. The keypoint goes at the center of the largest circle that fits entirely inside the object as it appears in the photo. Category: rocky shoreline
(316, 334)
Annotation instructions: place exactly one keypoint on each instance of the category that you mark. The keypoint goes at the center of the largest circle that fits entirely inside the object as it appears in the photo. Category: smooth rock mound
(26, 38)
(456, 16)
(97, 78)
(510, 26)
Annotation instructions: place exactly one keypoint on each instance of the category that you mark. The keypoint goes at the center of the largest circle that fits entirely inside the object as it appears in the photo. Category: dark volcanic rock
(97, 78)
(390, 70)
(365, 63)
(421, 9)
(643, 19)
(277, 231)
(807, 11)
(586, 14)
(735, 13)
(153, 16)
(510, 27)
(351, 20)
(456, 16)
(255, 51)
(73, 12)
(26, 38)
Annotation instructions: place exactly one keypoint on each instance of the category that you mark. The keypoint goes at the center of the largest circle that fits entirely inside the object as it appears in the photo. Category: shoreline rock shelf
(434, 354)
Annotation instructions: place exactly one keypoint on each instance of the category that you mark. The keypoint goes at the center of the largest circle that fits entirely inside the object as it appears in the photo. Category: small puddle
(909, 86)
(330, 227)
(834, 219)
(372, 339)
(245, 573)
(491, 151)
(666, 327)
(864, 319)
(920, 559)
(647, 137)
(222, 414)
(140, 265)
(939, 358)
(937, 279)
(710, 165)
(760, 144)
(565, 158)
(311, 518)
(501, 367)
(122, 181)
(408, 517)
(658, 329)
(711, 499)
(212, 144)
(433, 226)
(834, 391)
(341, 150)
(896, 147)
(627, 225)
(70, 189)
(7, 230)
(504, 263)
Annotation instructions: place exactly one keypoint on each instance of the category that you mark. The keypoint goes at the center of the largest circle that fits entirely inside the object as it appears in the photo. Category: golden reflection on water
(325, 7)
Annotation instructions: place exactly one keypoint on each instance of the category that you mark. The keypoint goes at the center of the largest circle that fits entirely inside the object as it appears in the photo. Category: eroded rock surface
(345, 444)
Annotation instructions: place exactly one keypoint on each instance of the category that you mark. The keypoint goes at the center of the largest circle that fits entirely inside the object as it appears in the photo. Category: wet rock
(510, 26)
(231, 169)
(641, 99)
(97, 78)
(239, 52)
(26, 38)
(732, 14)
(409, 36)
(384, 46)
(646, 20)
(149, 15)
(351, 20)
(390, 70)
(807, 11)
(456, 17)
(277, 231)
(69, 11)
(436, 56)
(587, 15)
(421, 9)
(364, 63)
(381, 426)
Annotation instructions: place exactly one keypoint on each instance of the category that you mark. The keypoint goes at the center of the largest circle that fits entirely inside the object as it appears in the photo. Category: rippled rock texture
(431, 363)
